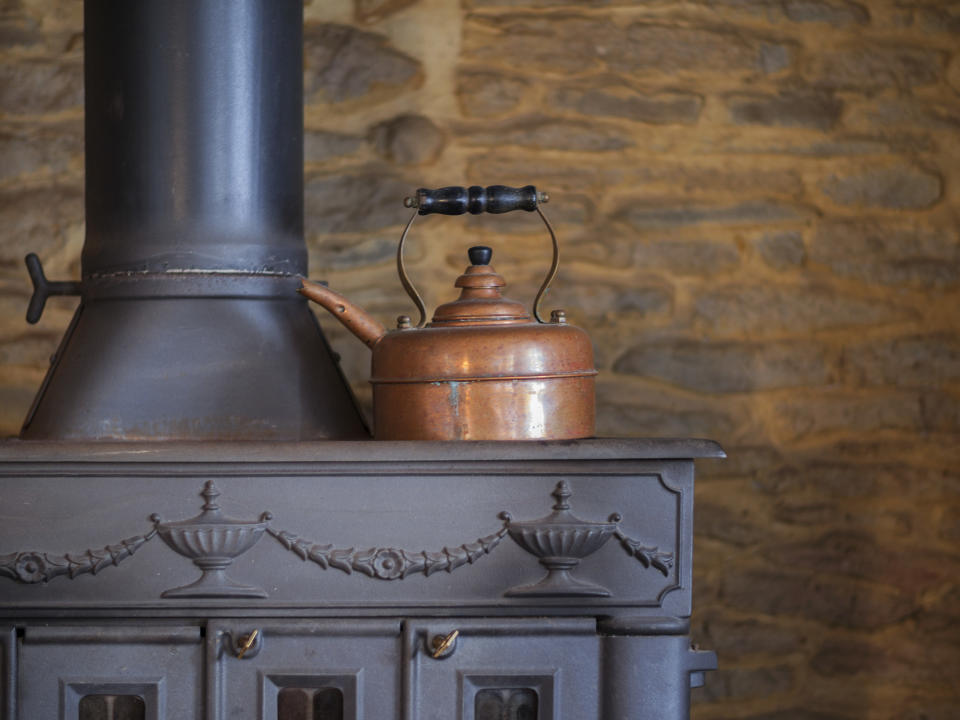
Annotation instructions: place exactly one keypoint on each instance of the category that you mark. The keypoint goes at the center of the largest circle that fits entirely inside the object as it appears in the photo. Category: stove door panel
(116, 672)
(507, 669)
(307, 670)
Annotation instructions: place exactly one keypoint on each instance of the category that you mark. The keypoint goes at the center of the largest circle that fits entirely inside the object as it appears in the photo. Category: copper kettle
(483, 368)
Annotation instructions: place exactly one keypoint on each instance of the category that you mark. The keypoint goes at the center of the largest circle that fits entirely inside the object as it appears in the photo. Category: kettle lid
(480, 301)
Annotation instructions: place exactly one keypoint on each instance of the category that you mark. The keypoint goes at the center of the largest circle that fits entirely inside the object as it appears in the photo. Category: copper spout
(354, 319)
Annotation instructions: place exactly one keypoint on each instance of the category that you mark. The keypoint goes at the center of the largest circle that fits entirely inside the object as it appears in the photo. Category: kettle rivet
(558, 316)
(403, 322)
(341, 308)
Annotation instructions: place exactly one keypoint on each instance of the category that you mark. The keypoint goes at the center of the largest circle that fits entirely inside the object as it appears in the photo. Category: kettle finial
(480, 255)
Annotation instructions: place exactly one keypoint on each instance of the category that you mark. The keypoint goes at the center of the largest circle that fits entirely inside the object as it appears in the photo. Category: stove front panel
(323, 540)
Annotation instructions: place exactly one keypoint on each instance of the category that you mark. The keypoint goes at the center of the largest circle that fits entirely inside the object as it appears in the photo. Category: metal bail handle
(475, 200)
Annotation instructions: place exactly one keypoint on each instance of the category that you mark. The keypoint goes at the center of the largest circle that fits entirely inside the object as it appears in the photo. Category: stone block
(862, 67)
(556, 43)
(732, 526)
(817, 110)
(621, 101)
(904, 662)
(781, 251)
(408, 140)
(370, 199)
(948, 527)
(548, 133)
(344, 253)
(798, 308)
(36, 220)
(837, 14)
(18, 29)
(953, 73)
(369, 11)
(921, 255)
(738, 638)
(843, 412)
(595, 298)
(51, 148)
(485, 94)
(343, 64)
(835, 602)
(321, 145)
(821, 510)
(748, 683)
(863, 555)
(574, 43)
(670, 49)
(654, 413)
(797, 714)
(835, 480)
(730, 367)
(648, 214)
(686, 257)
(925, 361)
(31, 87)
(894, 187)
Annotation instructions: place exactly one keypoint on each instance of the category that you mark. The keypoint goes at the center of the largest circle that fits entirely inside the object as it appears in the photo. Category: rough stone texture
(669, 213)
(344, 63)
(364, 201)
(545, 133)
(787, 109)
(622, 101)
(875, 66)
(899, 187)
(729, 367)
(781, 250)
(757, 206)
(368, 11)
(839, 14)
(888, 253)
(775, 309)
(408, 140)
(483, 94)
(320, 146)
(29, 88)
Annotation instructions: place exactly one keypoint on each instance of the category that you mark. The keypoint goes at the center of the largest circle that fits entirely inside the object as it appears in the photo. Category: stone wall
(758, 206)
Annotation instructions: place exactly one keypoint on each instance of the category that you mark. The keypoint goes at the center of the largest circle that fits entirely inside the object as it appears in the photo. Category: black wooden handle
(475, 200)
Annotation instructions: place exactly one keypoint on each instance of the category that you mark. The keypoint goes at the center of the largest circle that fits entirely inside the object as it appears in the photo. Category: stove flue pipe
(194, 136)
(190, 326)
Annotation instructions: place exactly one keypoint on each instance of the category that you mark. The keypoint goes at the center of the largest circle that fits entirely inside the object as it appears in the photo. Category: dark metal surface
(189, 327)
(194, 369)
(194, 136)
(372, 556)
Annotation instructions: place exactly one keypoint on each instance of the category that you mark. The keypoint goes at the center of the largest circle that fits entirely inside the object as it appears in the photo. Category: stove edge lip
(356, 451)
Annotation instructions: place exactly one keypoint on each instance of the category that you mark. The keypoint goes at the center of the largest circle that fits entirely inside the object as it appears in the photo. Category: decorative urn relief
(560, 540)
(212, 541)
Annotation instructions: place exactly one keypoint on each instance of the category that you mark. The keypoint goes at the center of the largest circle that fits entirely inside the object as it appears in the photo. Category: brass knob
(443, 645)
(246, 643)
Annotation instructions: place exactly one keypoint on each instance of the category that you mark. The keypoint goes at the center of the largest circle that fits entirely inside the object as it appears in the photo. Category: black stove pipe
(194, 136)
(190, 326)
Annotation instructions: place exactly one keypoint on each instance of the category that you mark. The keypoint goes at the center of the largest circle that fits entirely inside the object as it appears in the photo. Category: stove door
(115, 672)
(345, 669)
(496, 669)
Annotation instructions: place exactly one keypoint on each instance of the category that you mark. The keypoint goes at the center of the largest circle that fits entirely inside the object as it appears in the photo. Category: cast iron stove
(195, 521)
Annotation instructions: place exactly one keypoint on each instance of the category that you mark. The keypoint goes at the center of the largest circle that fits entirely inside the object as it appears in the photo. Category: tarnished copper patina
(482, 369)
